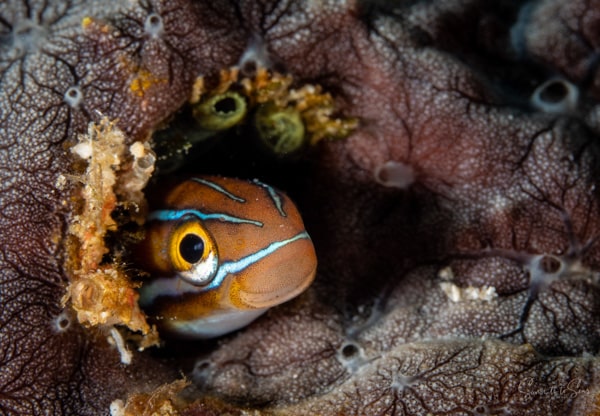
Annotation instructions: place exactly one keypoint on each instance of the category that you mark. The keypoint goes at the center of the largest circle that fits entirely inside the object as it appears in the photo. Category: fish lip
(222, 322)
(280, 296)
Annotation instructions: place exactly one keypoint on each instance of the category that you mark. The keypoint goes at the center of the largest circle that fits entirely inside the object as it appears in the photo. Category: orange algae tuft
(163, 401)
(100, 291)
(142, 81)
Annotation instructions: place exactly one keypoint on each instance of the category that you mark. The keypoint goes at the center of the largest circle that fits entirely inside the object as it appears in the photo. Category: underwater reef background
(457, 228)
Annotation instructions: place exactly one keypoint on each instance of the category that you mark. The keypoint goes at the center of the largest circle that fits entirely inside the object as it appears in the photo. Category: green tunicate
(280, 129)
(221, 111)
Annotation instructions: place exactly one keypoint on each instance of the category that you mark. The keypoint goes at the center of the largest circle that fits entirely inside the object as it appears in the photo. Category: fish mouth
(221, 322)
(282, 293)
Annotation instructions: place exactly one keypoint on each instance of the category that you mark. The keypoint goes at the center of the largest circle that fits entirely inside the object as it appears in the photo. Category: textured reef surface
(456, 228)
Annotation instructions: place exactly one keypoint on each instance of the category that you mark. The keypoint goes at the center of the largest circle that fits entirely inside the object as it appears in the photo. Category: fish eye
(191, 248)
(193, 253)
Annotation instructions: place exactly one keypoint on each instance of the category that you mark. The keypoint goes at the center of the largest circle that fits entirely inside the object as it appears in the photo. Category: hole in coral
(154, 20)
(153, 25)
(550, 264)
(349, 351)
(225, 105)
(201, 366)
(73, 96)
(481, 410)
(201, 371)
(249, 69)
(554, 92)
(255, 56)
(62, 322)
(351, 356)
(394, 174)
(555, 96)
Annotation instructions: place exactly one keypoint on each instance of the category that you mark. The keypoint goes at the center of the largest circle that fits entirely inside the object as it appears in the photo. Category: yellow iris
(191, 248)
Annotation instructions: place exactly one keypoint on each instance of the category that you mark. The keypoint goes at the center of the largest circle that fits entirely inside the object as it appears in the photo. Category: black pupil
(191, 248)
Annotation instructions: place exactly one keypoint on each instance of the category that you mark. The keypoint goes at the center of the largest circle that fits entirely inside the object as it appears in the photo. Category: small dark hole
(154, 20)
(249, 68)
(554, 92)
(550, 264)
(63, 323)
(145, 162)
(202, 366)
(349, 351)
(383, 175)
(73, 93)
(226, 105)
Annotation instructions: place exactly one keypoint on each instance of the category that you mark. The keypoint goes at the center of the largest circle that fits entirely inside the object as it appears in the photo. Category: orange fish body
(222, 251)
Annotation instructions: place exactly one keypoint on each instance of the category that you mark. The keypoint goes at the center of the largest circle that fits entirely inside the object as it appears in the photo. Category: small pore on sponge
(73, 96)
(556, 96)
(393, 174)
(153, 26)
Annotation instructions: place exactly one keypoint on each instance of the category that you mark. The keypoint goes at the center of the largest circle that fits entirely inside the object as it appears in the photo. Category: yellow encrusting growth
(90, 24)
(85, 22)
(100, 291)
(142, 81)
